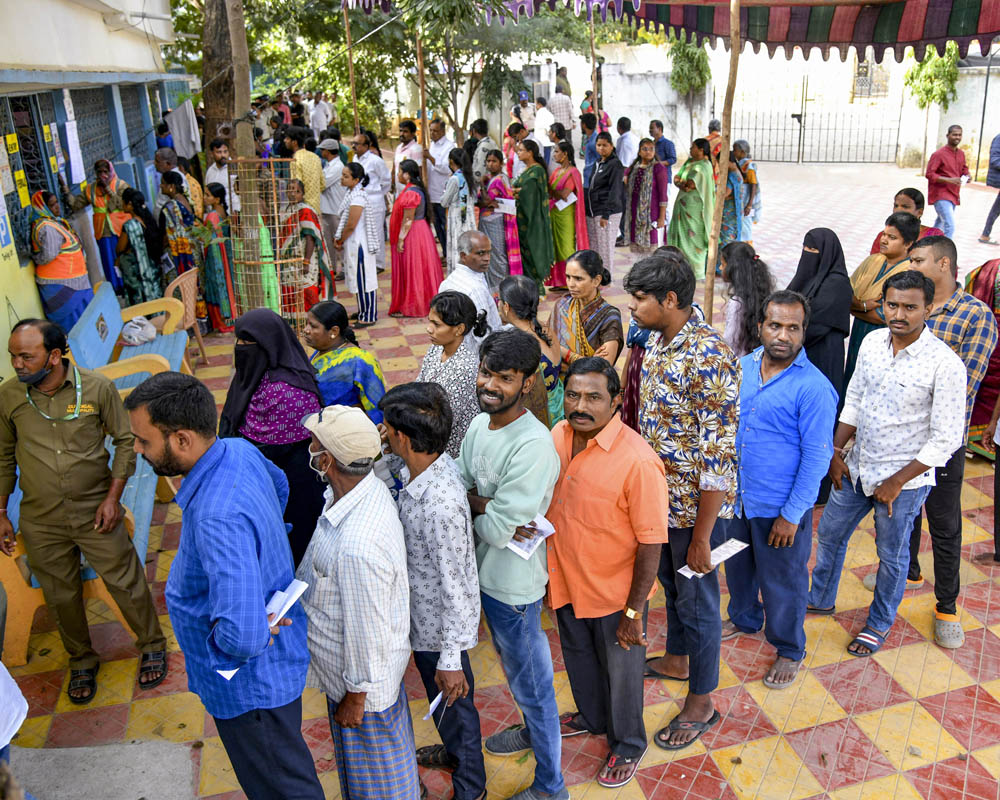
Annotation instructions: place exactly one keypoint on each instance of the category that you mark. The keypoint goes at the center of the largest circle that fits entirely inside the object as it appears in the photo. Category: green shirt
(63, 464)
(517, 466)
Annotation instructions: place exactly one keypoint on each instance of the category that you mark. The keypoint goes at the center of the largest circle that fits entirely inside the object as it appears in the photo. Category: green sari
(691, 221)
(534, 227)
(142, 278)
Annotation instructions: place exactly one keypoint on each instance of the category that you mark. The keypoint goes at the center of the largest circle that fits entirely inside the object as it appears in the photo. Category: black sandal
(83, 679)
(153, 662)
(613, 762)
(677, 724)
(436, 756)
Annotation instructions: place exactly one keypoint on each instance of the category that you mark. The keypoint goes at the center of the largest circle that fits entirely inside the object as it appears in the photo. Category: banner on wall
(8, 252)
(77, 172)
(6, 176)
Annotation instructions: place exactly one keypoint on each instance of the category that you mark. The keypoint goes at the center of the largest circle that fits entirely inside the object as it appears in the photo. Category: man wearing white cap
(358, 606)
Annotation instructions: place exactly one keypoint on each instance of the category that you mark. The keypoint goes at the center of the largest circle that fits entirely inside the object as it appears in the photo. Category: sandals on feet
(826, 612)
(616, 762)
(571, 724)
(677, 724)
(436, 756)
(869, 638)
(152, 662)
(649, 672)
(83, 679)
(770, 684)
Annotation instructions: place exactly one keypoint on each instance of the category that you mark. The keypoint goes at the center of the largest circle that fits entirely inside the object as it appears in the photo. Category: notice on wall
(47, 133)
(11, 143)
(7, 249)
(6, 176)
(21, 181)
(77, 172)
(68, 104)
(57, 146)
(53, 164)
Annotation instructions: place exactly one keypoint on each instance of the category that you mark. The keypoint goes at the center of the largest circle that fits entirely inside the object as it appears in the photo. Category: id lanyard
(79, 397)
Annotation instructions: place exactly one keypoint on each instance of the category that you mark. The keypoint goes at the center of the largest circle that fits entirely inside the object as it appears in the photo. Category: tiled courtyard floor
(914, 721)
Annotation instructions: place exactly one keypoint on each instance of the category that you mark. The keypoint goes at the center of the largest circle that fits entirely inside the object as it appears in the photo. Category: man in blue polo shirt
(784, 444)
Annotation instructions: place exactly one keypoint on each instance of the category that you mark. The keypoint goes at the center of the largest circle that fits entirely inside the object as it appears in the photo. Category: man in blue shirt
(233, 556)
(588, 124)
(784, 444)
(666, 154)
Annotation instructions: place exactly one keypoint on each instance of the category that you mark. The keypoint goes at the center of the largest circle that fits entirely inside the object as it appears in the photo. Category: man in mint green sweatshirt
(510, 465)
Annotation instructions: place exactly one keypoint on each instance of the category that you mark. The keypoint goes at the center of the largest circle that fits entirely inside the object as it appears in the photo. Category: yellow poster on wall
(12, 143)
(53, 164)
(18, 293)
(47, 133)
(22, 188)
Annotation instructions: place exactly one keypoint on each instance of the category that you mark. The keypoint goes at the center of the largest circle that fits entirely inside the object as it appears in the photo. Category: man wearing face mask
(53, 420)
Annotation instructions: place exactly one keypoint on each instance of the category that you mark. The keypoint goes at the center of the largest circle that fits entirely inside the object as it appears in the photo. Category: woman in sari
(416, 267)
(584, 322)
(534, 227)
(346, 374)
(458, 199)
(901, 230)
(505, 255)
(730, 230)
(646, 186)
(569, 224)
(751, 206)
(518, 307)
(60, 266)
(176, 220)
(691, 221)
(273, 389)
(912, 202)
(104, 195)
(357, 236)
(303, 251)
(139, 250)
(984, 282)
(217, 278)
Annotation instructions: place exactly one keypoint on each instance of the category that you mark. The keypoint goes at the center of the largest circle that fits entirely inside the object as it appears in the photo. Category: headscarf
(112, 177)
(277, 352)
(39, 211)
(822, 277)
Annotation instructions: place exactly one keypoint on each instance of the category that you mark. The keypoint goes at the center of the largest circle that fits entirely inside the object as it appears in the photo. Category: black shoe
(620, 241)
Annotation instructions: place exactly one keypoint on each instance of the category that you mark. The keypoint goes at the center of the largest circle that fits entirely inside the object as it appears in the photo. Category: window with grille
(93, 125)
(132, 97)
(870, 80)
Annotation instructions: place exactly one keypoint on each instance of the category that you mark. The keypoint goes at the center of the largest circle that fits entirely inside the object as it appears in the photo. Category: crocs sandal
(948, 630)
(869, 638)
(616, 762)
(677, 724)
(83, 679)
(436, 756)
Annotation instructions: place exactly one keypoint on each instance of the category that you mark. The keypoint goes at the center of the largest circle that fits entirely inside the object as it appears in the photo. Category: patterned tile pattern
(914, 722)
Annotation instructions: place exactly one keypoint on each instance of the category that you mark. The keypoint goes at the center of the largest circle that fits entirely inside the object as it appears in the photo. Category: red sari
(416, 272)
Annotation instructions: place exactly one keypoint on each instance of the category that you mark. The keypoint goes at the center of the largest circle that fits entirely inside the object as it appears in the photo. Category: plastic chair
(187, 285)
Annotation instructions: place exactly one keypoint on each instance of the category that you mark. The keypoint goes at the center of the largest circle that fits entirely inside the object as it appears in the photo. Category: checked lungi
(376, 761)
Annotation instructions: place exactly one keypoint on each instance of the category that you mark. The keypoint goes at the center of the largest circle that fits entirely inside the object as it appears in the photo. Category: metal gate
(787, 124)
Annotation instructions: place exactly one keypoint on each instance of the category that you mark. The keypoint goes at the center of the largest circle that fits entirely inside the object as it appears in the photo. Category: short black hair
(480, 126)
(910, 279)
(661, 273)
(954, 127)
(657, 122)
(408, 125)
(515, 128)
(53, 336)
(215, 144)
(787, 297)
(943, 247)
(297, 135)
(541, 101)
(172, 178)
(907, 225)
(588, 120)
(175, 402)
(421, 411)
(624, 124)
(511, 349)
(592, 364)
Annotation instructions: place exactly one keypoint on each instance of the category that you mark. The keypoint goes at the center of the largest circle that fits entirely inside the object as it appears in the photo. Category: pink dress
(416, 272)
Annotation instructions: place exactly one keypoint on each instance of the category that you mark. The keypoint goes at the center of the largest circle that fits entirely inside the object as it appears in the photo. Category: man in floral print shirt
(689, 413)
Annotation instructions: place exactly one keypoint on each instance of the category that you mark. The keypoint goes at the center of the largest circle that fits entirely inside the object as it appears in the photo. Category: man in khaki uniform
(53, 420)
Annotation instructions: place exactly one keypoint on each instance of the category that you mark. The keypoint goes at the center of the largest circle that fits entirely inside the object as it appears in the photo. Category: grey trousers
(330, 224)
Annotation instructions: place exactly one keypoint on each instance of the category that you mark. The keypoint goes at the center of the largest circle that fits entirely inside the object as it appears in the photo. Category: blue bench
(94, 339)
(23, 593)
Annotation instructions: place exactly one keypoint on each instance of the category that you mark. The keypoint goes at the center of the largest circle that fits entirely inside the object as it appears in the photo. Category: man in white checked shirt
(358, 605)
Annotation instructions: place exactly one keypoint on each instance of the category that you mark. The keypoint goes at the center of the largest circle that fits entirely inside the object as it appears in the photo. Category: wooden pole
(350, 72)
(241, 77)
(720, 185)
(593, 65)
(423, 105)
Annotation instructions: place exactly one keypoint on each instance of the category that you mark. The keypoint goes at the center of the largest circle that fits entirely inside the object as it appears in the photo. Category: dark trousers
(992, 216)
(944, 521)
(269, 755)
(439, 219)
(606, 680)
(694, 628)
(996, 512)
(778, 576)
(458, 727)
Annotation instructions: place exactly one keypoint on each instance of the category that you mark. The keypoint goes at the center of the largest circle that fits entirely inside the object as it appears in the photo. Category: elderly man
(165, 160)
(358, 604)
(603, 562)
(53, 420)
(331, 198)
(444, 582)
(408, 148)
(469, 276)
(233, 556)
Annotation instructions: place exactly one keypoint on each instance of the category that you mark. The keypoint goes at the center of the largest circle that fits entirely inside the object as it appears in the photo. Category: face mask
(312, 465)
(35, 378)
(241, 356)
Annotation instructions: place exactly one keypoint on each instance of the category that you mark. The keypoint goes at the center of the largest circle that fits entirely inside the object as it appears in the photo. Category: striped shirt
(358, 600)
(967, 325)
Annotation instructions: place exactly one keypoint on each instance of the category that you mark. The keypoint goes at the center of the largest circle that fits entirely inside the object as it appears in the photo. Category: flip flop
(677, 724)
(649, 672)
(824, 612)
(778, 686)
(613, 762)
(869, 638)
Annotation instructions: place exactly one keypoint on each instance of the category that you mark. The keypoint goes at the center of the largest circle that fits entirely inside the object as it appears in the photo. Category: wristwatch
(631, 613)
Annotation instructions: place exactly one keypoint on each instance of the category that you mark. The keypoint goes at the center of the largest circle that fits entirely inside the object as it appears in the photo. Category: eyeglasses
(359, 144)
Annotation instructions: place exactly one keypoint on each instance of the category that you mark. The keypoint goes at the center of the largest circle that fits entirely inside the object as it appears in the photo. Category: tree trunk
(474, 83)
(217, 69)
(452, 81)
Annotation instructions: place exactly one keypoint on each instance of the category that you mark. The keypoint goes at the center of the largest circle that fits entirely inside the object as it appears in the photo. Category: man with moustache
(510, 466)
(603, 562)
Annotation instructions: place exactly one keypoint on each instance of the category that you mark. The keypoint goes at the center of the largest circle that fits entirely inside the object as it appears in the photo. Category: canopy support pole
(423, 107)
(720, 185)
(350, 72)
(593, 65)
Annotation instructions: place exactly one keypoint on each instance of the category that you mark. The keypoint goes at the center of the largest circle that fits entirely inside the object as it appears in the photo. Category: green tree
(932, 82)
(690, 72)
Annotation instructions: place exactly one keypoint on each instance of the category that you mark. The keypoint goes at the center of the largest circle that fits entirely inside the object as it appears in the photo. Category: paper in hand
(543, 530)
(434, 704)
(728, 548)
(506, 205)
(570, 199)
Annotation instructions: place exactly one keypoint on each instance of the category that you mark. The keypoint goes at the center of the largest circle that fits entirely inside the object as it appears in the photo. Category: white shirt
(14, 708)
(319, 117)
(474, 286)
(438, 172)
(627, 148)
(543, 121)
(379, 179)
(358, 600)
(905, 407)
(217, 174)
(333, 192)
(527, 112)
(412, 149)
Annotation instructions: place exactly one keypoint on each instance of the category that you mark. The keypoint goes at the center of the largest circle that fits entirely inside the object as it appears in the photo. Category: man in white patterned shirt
(358, 606)
(444, 580)
(469, 277)
(905, 406)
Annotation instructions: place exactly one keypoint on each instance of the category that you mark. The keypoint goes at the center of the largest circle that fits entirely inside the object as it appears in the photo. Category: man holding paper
(603, 561)
(785, 443)
(232, 558)
(510, 466)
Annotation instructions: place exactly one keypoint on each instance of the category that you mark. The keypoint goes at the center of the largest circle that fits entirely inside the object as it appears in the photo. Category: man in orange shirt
(609, 511)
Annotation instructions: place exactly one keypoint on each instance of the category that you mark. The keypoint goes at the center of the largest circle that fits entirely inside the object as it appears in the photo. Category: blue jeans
(527, 662)
(945, 220)
(781, 577)
(846, 507)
